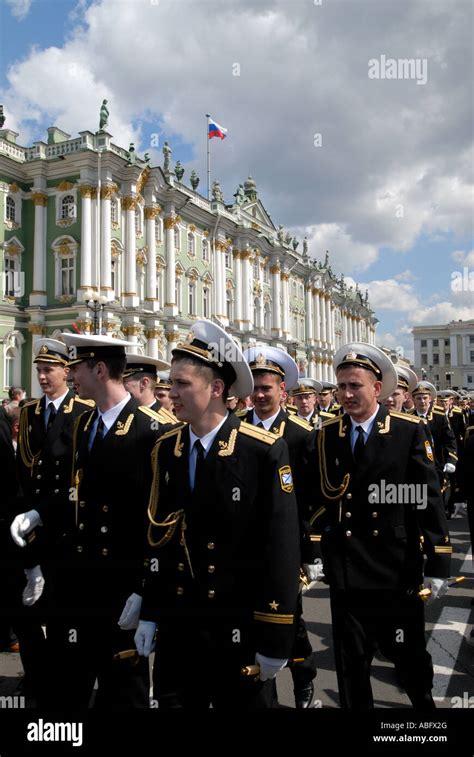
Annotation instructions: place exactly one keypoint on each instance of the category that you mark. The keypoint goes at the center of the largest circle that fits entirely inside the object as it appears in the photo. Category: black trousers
(393, 622)
(302, 672)
(197, 666)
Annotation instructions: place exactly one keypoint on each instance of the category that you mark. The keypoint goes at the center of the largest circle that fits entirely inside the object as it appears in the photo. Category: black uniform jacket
(228, 552)
(111, 485)
(297, 433)
(376, 529)
(444, 442)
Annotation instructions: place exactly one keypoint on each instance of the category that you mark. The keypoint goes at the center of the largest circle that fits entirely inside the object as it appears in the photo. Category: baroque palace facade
(93, 237)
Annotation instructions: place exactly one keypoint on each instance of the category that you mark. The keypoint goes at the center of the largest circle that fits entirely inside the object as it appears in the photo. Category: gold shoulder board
(89, 403)
(30, 403)
(257, 433)
(300, 422)
(240, 413)
(333, 419)
(405, 416)
(166, 416)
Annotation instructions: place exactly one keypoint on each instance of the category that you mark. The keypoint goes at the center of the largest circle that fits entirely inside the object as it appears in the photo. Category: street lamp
(96, 303)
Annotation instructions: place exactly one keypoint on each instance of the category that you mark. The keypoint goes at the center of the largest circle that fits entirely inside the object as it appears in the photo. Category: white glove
(313, 571)
(23, 524)
(145, 638)
(449, 468)
(438, 586)
(131, 613)
(269, 666)
(34, 585)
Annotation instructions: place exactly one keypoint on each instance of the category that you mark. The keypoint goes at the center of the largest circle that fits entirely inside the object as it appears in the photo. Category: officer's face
(396, 400)
(267, 394)
(190, 392)
(422, 402)
(133, 386)
(358, 391)
(85, 381)
(324, 400)
(163, 395)
(52, 379)
(305, 403)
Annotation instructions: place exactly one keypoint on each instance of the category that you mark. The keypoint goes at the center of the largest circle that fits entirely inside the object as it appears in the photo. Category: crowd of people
(182, 509)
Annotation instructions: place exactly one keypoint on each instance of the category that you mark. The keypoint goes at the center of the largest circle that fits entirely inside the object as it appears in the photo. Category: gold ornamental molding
(192, 227)
(39, 329)
(108, 191)
(236, 253)
(13, 188)
(64, 186)
(141, 258)
(133, 329)
(40, 198)
(64, 249)
(172, 336)
(129, 203)
(275, 269)
(245, 254)
(153, 333)
(84, 325)
(151, 212)
(284, 276)
(85, 190)
(171, 221)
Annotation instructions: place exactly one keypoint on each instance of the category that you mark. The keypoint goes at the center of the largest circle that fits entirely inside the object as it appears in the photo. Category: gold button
(375, 533)
(80, 549)
(105, 508)
(81, 526)
(105, 552)
(38, 491)
(211, 569)
(180, 590)
(56, 477)
(375, 515)
(348, 533)
(57, 462)
(349, 495)
(211, 545)
(40, 462)
(39, 475)
(181, 566)
(348, 515)
(56, 491)
(104, 529)
(211, 593)
(82, 504)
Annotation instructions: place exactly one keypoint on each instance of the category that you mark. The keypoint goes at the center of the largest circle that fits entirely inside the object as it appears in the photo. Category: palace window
(205, 302)
(205, 250)
(177, 243)
(10, 210)
(229, 305)
(68, 275)
(191, 245)
(192, 298)
(68, 207)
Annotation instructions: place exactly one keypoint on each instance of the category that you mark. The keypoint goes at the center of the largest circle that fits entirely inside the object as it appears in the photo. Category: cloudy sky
(370, 158)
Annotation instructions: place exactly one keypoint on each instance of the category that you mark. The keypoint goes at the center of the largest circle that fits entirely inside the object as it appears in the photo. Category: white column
(150, 285)
(285, 304)
(170, 306)
(317, 315)
(220, 247)
(152, 335)
(453, 340)
(106, 242)
(238, 285)
(309, 315)
(130, 277)
(328, 320)
(323, 317)
(276, 296)
(344, 327)
(38, 295)
(260, 302)
(246, 310)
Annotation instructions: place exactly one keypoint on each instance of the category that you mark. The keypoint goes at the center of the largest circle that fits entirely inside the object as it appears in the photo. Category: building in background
(444, 354)
(93, 237)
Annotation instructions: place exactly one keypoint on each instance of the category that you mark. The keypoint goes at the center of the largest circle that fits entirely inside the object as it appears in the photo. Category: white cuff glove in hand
(449, 468)
(269, 666)
(23, 524)
(438, 586)
(145, 638)
(34, 586)
(313, 571)
(131, 613)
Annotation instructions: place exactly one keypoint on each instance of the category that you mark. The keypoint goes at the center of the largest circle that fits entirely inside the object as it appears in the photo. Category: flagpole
(208, 159)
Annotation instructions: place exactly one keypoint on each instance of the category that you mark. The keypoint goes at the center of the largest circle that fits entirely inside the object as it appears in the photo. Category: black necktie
(99, 435)
(359, 446)
(260, 425)
(51, 416)
(199, 470)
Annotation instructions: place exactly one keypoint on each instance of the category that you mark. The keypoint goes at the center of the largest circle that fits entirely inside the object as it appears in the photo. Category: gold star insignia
(274, 605)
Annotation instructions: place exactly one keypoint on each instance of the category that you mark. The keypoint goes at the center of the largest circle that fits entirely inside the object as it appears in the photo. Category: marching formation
(182, 509)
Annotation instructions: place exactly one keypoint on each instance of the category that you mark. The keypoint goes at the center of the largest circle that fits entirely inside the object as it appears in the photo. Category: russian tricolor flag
(215, 130)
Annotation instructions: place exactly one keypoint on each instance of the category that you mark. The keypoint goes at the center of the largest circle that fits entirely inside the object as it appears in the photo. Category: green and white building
(86, 226)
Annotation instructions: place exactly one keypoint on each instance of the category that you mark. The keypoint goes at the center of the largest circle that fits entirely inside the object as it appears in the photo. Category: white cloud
(19, 8)
(390, 294)
(378, 179)
(463, 258)
(405, 276)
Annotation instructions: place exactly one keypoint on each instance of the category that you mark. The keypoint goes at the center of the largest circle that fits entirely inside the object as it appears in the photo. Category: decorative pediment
(258, 217)
(64, 186)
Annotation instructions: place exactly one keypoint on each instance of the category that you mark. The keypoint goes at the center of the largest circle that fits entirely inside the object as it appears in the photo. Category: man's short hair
(115, 365)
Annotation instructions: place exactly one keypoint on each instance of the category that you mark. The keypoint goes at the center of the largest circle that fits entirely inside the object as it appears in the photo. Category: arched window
(158, 230)
(11, 210)
(192, 298)
(113, 211)
(177, 245)
(256, 269)
(10, 276)
(206, 301)
(267, 317)
(68, 275)
(68, 207)
(256, 313)
(228, 260)
(205, 249)
(177, 293)
(191, 244)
